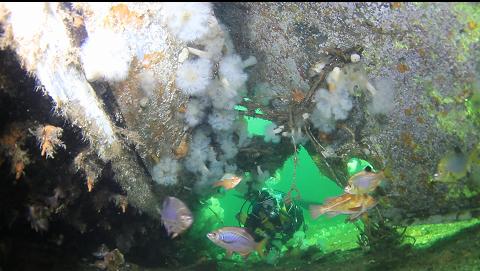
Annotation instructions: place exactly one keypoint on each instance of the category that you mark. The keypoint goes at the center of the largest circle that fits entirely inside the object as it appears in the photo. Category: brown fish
(176, 216)
(228, 181)
(236, 239)
(348, 204)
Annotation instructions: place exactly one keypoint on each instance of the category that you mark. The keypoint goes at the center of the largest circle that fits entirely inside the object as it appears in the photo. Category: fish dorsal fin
(335, 201)
(228, 176)
(235, 234)
(329, 199)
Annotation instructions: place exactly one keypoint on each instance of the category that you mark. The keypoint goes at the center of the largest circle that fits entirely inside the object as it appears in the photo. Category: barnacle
(38, 216)
(120, 201)
(182, 149)
(11, 144)
(49, 138)
(90, 183)
(298, 95)
(19, 161)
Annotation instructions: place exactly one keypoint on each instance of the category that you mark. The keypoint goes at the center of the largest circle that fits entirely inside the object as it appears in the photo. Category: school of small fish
(355, 201)
(177, 218)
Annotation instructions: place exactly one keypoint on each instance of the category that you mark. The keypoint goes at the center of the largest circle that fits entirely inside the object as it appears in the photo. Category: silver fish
(364, 182)
(236, 239)
(176, 216)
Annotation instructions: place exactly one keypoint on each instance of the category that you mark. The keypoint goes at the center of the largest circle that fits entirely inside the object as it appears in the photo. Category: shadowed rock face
(426, 54)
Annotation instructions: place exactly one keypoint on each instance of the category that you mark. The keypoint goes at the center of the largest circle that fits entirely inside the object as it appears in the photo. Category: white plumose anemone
(194, 76)
(231, 72)
(187, 21)
(165, 172)
(106, 55)
(195, 112)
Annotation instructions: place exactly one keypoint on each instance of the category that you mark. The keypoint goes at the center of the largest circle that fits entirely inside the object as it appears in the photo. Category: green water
(324, 233)
(314, 187)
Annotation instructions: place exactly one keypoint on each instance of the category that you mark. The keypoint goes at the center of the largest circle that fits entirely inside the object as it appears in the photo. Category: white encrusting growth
(195, 112)
(165, 171)
(38, 31)
(214, 77)
(382, 99)
(330, 106)
(106, 55)
(272, 133)
(222, 98)
(148, 82)
(333, 104)
(222, 120)
(231, 72)
(336, 102)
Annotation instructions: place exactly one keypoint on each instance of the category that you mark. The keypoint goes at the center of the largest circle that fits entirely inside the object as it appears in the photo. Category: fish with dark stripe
(236, 239)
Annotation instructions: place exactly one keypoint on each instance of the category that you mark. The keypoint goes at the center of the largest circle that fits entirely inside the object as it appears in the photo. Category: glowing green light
(256, 126)
(258, 111)
(356, 165)
(240, 108)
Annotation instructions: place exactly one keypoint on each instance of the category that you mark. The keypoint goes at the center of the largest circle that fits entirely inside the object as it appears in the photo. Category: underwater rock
(420, 125)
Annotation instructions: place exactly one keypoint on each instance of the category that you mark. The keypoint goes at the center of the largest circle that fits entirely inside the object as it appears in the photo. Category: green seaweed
(468, 14)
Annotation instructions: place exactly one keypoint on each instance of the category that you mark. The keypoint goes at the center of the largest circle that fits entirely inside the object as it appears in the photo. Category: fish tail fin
(316, 210)
(260, 247)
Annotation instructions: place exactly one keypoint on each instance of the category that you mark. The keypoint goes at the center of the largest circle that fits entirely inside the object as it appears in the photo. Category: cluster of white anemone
(213, 78)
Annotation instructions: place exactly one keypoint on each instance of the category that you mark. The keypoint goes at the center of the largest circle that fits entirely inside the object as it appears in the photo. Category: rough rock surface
(427, 53)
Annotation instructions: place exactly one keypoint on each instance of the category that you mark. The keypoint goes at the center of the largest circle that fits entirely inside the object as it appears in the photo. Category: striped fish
(236, 239)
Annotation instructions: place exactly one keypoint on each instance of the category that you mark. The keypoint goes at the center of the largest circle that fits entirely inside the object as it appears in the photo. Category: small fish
(453, 166)
(364, 182)
(236, 239)
(347, 204)
(228, 181)
(176, 216)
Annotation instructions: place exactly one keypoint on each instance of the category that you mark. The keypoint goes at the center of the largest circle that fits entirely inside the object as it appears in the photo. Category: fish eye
(368, 169)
